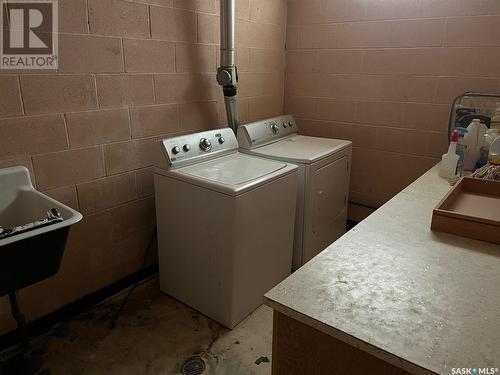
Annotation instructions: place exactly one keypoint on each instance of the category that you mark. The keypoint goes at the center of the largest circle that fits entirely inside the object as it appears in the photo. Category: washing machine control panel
(193, 148)
(263, 132)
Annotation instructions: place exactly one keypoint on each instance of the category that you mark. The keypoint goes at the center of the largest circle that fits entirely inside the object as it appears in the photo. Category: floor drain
(194, 365)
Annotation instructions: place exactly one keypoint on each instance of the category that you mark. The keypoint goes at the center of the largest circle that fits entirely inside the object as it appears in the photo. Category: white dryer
(225, 224)
(324, 174)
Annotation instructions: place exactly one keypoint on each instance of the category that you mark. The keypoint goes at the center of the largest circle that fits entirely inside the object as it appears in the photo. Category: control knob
(275, 128)
(222, 140)
(176, 150)
(205, 144)
(186, 147)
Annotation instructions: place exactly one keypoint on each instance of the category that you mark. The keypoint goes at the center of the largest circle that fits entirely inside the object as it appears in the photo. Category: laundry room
(244, 187)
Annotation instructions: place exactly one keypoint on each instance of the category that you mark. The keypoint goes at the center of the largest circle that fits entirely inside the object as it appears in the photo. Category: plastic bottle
(449, 161)
(494, 157)
(461, 150)
(489, 137)
(483, 156)
(474, 139)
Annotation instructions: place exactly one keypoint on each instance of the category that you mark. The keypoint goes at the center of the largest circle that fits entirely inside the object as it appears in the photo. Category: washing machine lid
(302, 149)
(234, 174)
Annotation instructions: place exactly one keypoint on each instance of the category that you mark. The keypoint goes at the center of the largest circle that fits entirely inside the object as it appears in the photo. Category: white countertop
(422, 300)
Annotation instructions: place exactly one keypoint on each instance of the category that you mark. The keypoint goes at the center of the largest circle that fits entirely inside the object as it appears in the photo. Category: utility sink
(33, 255)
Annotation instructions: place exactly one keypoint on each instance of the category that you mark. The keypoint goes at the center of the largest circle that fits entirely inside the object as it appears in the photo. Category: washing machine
(324, 174)
(225, 224)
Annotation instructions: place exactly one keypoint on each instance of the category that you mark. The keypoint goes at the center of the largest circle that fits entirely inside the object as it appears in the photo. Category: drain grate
(194, 365)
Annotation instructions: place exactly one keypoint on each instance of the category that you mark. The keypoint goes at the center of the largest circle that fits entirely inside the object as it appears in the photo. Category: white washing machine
(324, 174)
(225, 224)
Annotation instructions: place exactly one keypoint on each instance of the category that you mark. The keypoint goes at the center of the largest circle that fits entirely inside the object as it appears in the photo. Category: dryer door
(327, 206)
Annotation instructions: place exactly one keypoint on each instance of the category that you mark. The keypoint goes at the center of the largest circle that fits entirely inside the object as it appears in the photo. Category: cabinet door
(327, 205)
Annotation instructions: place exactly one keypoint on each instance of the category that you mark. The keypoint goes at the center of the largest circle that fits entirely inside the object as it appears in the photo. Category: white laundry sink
(32, 255)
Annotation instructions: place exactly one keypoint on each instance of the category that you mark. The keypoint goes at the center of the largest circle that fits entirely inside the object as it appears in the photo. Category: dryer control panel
(267, 131)
(194, 148)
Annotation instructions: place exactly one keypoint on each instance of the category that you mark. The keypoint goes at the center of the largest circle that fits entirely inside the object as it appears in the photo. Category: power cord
(116, 315)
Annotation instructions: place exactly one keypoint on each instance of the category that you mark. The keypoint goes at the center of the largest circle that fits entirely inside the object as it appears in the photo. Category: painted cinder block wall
(383, 73)
(130, 73)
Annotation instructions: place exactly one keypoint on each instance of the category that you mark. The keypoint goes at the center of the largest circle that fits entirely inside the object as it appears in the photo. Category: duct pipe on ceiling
(227, 74)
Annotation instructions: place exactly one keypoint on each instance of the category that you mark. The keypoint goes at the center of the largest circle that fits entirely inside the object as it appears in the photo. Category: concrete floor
(154, 335)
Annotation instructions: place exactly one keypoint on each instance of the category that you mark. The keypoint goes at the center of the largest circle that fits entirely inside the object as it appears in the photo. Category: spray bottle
(449, 161)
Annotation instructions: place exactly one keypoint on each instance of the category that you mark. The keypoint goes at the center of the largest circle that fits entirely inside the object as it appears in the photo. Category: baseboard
(72, 309)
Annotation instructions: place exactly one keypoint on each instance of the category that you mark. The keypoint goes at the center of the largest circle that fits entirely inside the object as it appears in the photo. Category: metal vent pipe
(227, 73)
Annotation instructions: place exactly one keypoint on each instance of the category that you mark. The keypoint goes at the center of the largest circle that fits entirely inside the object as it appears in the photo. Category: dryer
(324, 175)
(225, 224)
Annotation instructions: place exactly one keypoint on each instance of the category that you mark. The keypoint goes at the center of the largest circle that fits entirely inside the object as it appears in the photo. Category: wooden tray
(471, 209)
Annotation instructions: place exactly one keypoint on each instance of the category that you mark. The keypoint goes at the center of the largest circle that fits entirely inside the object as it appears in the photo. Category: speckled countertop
(422, 300)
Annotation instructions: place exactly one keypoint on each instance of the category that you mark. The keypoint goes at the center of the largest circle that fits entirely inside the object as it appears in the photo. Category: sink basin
(31, 256)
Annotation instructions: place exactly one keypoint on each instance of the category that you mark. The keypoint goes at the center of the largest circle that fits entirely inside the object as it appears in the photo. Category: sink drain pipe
(227, 74)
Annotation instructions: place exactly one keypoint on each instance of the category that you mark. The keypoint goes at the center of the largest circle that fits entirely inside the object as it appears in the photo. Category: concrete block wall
(380, 73)
(130, 73)
(383, 73)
